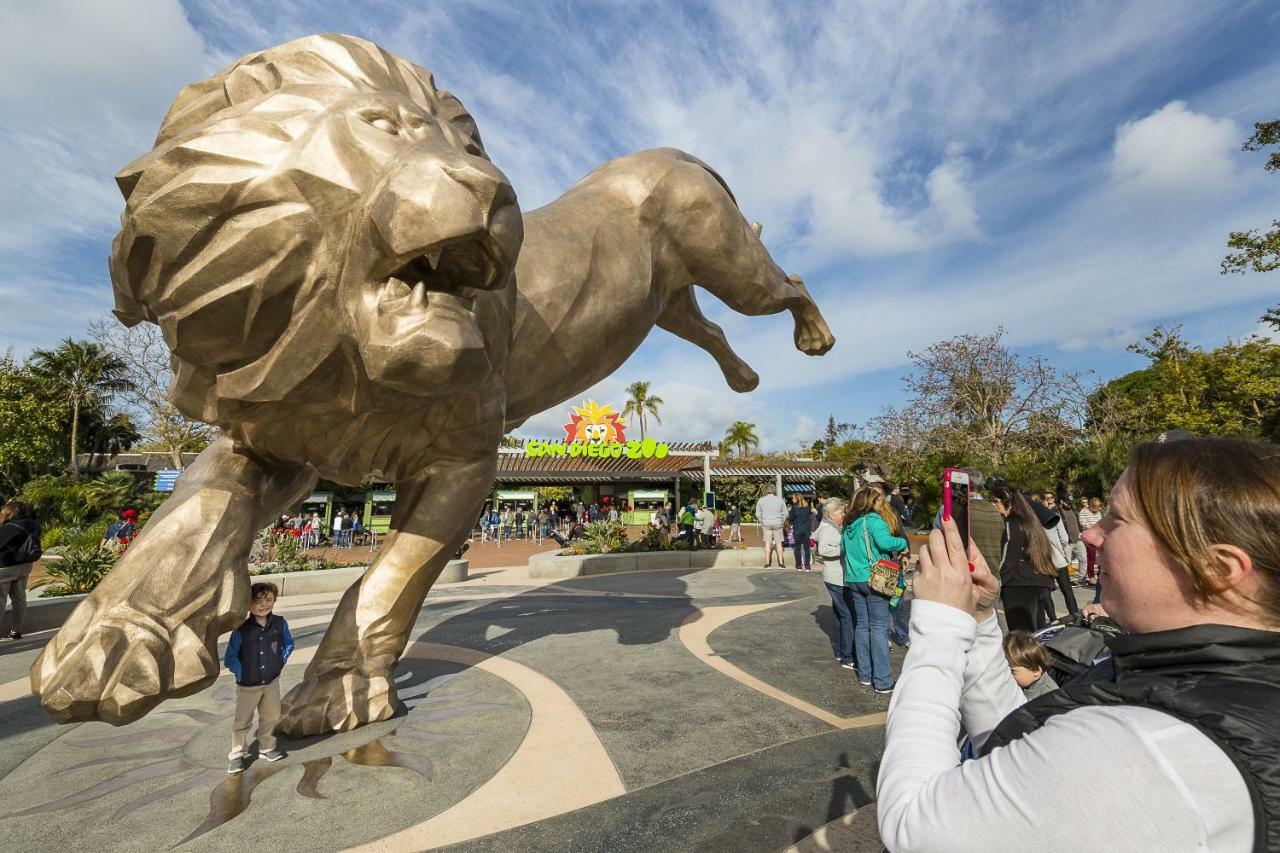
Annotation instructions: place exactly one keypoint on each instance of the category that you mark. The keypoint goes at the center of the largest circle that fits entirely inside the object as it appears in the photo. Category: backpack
(28, 551)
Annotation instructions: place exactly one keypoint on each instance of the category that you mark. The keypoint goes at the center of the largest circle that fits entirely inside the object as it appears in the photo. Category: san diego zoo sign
(596, 432)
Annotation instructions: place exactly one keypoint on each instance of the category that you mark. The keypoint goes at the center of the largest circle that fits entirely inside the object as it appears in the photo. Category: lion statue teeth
(350, 290)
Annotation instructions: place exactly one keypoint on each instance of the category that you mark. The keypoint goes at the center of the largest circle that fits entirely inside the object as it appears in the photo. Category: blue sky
(1067, 171)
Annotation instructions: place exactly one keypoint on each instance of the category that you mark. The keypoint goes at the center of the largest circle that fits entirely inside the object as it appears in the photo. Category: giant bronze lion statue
(350, 291)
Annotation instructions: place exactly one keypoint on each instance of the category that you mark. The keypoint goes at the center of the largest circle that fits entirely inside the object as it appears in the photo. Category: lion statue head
(317, 214)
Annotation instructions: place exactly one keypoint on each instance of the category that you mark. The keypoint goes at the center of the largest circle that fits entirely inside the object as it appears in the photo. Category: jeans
(1080, 557)
(900, 626)
(842, 622)
(804, 555)
(871, 636)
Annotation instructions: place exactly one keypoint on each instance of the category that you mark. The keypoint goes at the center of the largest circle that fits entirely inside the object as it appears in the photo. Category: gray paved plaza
(667, 710)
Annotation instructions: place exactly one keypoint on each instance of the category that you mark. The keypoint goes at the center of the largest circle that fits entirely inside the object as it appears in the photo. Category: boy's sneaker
(271, 755)
(864, 683)
(849, 665)
(235, 765)
(884, 691)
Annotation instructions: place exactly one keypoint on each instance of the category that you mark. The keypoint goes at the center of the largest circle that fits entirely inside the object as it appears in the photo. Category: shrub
(78, 572)
(654, 539)
(61, 539)
(607, 537)
(603, 537)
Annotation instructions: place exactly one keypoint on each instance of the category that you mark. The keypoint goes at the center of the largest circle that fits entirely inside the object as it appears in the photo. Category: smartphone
(955, 501)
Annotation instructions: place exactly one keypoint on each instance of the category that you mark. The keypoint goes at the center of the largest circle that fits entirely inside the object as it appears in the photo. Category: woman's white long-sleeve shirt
(1096, 778)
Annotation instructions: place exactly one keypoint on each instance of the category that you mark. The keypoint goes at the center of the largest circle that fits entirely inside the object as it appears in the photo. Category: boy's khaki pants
(265, 699)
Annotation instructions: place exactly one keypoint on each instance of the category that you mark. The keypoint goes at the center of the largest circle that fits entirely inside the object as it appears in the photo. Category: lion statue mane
(246, 238)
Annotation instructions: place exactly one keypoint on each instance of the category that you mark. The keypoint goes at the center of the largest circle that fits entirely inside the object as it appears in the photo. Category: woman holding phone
(1175, 736)
(1027, 572)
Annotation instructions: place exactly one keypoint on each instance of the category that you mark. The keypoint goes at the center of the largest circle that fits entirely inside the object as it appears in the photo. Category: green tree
(107, 437)
(86, 374)
(1255, 251)
(1231, 390)
(1271, 317)
(559, 494)
(742, 436)
(31, 419)
(831, 436)
(642, 404)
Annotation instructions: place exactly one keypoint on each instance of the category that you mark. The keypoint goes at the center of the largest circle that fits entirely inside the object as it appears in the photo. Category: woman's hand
(949, 576)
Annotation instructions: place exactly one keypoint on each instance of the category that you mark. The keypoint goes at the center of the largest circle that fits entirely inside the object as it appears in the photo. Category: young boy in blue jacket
(256, 655)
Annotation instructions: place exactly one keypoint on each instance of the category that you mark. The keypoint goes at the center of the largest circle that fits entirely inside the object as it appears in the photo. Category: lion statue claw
(350, 291)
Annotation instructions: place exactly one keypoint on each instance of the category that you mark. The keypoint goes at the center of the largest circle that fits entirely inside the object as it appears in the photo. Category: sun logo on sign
(592, 423)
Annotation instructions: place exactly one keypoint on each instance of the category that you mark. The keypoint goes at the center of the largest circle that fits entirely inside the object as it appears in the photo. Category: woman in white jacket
(1175, 739)
(831, 564)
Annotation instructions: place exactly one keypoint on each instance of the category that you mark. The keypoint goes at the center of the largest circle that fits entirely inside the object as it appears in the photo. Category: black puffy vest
(1225, 681)
(260, 651)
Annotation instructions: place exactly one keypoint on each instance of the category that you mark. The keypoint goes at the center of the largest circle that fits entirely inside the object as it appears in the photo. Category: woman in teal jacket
(870, 610)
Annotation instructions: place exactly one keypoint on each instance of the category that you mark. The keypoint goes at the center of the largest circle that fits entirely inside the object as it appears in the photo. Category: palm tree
(86, 374)
(742, 435)
(109, 437)
(641, 404)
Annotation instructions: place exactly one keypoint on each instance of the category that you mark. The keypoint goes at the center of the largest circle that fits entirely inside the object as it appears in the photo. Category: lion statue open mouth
(350, 290)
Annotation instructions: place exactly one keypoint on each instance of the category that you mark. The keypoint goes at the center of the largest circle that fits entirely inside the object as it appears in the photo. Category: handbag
(884, 573)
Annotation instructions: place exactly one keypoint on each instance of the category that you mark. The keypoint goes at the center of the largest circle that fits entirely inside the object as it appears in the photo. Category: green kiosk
(377, 511)
(320, 503)
(643, 503)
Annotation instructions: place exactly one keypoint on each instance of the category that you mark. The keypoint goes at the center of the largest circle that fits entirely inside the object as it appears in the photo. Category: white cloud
(85, 87)
(951, 198)
(1109, 339)
(1175, 149)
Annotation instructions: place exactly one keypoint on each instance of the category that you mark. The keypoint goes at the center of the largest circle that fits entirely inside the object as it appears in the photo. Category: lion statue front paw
(118, 667)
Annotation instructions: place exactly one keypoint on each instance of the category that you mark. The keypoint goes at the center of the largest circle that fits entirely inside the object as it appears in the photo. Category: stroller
(1075, 645)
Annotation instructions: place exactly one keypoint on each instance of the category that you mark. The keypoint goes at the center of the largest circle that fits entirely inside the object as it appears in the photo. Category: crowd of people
(345, 529)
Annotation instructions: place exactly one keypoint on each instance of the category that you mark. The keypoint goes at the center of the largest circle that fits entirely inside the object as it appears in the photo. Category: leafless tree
(143, 350)
(974, 396)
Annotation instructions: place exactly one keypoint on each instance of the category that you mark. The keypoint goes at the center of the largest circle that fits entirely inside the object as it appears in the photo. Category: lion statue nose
(438, 197)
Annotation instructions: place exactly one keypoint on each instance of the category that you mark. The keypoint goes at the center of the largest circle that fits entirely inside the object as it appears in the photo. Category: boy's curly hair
(261, 589)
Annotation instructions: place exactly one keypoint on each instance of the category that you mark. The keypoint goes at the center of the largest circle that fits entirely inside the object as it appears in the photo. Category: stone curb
(552, 567)
(337, 580)
(44, 614)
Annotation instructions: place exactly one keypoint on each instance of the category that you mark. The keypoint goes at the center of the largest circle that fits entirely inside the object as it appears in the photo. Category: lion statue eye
(384, 124)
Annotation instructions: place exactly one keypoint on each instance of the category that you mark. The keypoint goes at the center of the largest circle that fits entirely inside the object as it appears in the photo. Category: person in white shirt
(1090, 514)
(1175, 739)
(771, 512)
(707, 523)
